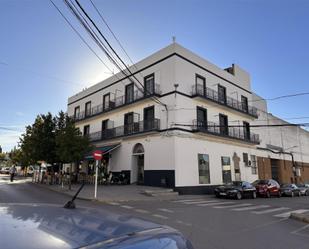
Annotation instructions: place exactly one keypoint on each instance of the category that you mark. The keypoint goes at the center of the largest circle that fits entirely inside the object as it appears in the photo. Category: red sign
(97, 155)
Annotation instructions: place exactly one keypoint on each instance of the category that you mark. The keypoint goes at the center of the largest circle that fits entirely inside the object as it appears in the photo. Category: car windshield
(286, 185)
(262, 182)
(236, 183)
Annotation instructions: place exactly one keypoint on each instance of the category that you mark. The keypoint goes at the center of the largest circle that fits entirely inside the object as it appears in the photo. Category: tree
(38, 142)
(71, 146)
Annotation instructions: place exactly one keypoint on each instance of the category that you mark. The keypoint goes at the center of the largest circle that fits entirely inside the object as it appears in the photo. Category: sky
(43, 62)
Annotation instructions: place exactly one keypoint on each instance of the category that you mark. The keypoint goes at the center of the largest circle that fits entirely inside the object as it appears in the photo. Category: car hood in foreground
(46, 226)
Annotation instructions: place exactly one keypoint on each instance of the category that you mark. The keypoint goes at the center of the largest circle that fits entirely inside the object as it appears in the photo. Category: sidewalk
(113, 193)
(304, 217)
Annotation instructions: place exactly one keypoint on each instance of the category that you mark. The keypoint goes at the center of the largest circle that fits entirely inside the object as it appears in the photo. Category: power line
(115, 37)
(251, 126)
(109, 45)
(42, 75)
(280, 97)
(9, 129)
(79, 35)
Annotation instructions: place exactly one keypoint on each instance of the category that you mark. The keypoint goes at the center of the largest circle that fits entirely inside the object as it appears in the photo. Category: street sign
(97, 155)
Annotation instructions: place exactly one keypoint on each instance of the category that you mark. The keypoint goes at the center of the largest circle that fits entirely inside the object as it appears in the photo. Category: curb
(300, 217)
(59, 191)
(71, 194)
(79, 198)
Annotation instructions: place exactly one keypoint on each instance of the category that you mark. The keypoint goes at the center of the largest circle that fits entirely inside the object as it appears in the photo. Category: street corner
(304, 217)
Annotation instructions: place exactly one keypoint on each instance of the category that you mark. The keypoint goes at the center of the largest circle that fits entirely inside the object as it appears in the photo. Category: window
(129, 93)
(149, 118)
(76, 112)
(223, 122)
(86, 130)
(226, 169)
(244, 103)
(203, 169)
(201, 117)
(88, 109)
(200, 85)
(104, 129)
(128, 123)
(253, 164)
(246, 130)
(245, 159)
(106, 101)
(222, 94)
(149, 84)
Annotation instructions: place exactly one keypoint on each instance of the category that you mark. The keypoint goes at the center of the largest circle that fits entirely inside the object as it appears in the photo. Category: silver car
(304, 189)
(49, 226)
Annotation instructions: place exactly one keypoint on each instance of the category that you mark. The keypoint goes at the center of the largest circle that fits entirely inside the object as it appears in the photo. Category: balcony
(229, 132)
(212, 95)
(126, 130)
(117, 103)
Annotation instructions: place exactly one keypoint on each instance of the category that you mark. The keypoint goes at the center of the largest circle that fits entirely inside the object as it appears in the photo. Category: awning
(105, 149)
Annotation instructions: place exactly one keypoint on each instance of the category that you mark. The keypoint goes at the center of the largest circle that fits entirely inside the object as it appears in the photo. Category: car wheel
(238, 196)
(268, 194)
(253, 195)
(292, 194)
(217, 195)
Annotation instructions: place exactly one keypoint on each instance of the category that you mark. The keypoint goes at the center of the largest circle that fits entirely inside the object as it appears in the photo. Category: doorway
(137, 172)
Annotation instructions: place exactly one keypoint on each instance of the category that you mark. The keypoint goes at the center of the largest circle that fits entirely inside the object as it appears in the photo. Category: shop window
(253, 164)
(203, 169)
(226, 169)
(245, 159)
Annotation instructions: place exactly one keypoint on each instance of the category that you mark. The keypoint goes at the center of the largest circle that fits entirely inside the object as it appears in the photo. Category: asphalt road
(208, 222)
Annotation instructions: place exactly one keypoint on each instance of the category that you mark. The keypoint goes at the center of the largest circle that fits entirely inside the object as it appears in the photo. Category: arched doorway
(137, 172)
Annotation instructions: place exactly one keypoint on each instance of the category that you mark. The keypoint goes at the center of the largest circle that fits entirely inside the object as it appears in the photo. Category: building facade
(188, 127)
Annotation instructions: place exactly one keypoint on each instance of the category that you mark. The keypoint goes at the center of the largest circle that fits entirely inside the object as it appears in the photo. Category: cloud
(20, 114)
(9, 139)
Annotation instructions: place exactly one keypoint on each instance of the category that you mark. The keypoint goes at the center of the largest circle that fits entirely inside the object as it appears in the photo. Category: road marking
(184, 223)
(264, 225)
(160, 216)
(188, 200)
(250, 208)
(287, 214)
(127, 207)
(216, 203)
(234, 206)
(300, 229)
(141, 211)
(114, 203)
(198, 202)
(166, 210)
(270, 210)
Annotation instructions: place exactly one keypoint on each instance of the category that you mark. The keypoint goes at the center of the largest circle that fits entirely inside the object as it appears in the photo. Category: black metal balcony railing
(117, 102)
(126, 130)
(232, 132)
(199, 90)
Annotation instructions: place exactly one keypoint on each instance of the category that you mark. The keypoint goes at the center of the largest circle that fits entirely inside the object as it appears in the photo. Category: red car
(267, 188)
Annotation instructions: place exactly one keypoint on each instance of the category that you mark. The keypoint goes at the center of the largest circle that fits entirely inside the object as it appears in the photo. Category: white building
(186, 139)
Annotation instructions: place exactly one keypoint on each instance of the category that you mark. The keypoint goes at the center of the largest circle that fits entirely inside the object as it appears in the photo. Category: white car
(5, 170)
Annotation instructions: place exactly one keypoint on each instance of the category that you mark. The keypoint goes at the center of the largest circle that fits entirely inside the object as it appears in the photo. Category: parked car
(290, 190)
(304, 189)
(55, 227)
(5, 170)
(237, 190)
(267, 188)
